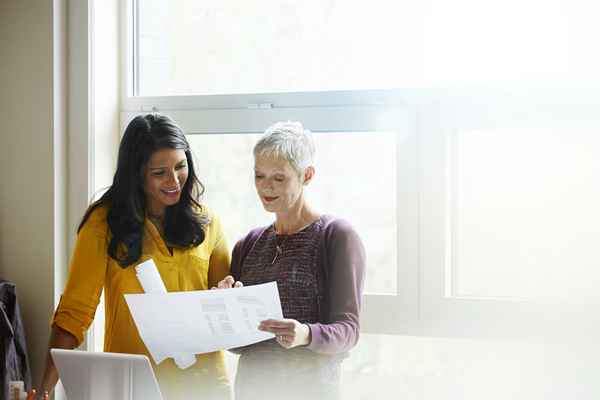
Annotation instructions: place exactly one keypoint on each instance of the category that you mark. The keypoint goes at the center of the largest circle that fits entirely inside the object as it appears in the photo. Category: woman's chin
(170, 201)
(269, 208)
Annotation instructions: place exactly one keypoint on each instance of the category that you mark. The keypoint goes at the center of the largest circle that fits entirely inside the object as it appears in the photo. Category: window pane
(526, 212)
(232, 46)
(355, 180)
(260, 46)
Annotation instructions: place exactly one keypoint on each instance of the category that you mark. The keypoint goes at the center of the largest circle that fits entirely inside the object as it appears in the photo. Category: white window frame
(424, 121)
(321, 112)
(445, 312)
(331, 111)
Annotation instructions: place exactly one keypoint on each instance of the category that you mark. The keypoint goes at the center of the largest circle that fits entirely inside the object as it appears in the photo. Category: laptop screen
(100, 376)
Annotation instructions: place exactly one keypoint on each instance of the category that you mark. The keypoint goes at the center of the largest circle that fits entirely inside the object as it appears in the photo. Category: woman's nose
(266, 184)
(172, 178)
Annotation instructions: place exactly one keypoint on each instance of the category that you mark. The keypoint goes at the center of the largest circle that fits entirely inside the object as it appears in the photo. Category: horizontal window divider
(330, 119)
(275, 100)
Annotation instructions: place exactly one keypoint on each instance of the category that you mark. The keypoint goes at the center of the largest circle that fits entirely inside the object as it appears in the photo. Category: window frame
(326, 111)
(445, 312)
(214, 118)
(424, 303)
(330, 111)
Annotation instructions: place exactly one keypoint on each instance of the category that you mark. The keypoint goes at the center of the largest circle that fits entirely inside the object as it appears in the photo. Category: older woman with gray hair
(318, 262)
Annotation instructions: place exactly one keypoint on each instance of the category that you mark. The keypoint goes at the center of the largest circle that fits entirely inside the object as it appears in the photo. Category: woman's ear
(309, 173)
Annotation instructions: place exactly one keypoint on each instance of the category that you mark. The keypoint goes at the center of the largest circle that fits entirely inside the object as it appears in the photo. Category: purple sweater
(340, 270)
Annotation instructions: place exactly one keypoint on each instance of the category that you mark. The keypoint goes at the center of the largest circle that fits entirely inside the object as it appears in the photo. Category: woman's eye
(180, 167)
(157, 173)
(258, 177)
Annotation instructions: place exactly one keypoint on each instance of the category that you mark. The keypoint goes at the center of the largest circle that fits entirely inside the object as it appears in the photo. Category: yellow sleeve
(87, 271)
(220, 259)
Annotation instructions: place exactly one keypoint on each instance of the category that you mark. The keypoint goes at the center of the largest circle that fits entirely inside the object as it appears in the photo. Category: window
(476, 205)
(225, 77)
(187, 47)
(510, 188)
(355, 179)
(506, 219)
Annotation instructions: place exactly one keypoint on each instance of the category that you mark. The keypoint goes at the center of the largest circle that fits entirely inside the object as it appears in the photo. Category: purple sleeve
(236, 260)
(345, 264)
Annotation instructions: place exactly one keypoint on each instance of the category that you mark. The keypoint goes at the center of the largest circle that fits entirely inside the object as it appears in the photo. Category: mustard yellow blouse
(92, 270)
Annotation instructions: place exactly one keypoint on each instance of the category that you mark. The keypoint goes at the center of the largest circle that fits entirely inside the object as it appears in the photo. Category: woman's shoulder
(208, 217)
(95, 220)
(252, 236)
(343, 242)
(210, 221)
(204, 211)
(336, 228)
(96, 216)
(336, 224)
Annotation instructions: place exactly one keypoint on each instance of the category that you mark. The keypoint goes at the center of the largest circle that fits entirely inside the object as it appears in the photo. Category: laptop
(100, 376)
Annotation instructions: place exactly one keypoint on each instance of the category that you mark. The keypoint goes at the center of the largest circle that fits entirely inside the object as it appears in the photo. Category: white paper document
(149, 277)
(181, 323)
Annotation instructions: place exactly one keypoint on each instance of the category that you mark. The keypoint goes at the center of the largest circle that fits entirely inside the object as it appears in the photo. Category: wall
(32, 200)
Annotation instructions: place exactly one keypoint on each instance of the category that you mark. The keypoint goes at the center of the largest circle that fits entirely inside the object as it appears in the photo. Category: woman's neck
(157, 217)
(294, 221)
(155, 212)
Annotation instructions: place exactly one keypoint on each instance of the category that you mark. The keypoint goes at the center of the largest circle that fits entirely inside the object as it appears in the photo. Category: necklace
(281, 239)
(279, 247)
(279, 243)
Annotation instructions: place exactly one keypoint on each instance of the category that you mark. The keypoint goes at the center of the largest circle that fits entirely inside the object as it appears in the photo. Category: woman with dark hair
(151, 211)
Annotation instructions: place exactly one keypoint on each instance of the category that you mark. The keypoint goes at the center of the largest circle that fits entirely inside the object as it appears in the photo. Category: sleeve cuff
(67, 321)
(64, 324)
(316, 338)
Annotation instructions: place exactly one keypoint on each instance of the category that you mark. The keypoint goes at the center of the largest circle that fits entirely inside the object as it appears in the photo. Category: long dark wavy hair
(126, 199)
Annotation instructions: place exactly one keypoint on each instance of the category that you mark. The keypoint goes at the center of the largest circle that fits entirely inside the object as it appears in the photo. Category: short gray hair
(288, 140)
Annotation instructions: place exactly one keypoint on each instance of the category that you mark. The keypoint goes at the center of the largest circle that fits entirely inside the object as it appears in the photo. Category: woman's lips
(269, 199)
(171, 193)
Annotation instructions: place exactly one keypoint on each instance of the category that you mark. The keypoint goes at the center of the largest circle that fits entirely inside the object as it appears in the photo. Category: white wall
(32, 139)
(55, 56)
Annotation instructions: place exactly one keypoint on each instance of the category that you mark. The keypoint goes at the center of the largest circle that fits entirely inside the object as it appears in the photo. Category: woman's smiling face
(165, 175)
(277, 183)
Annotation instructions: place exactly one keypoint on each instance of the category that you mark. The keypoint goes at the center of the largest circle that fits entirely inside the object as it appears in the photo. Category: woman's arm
(59, 339)
(345, 264)
(79, 301)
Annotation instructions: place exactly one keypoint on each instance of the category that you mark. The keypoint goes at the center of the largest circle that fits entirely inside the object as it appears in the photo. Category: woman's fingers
(288, 332)
(226, 283)
(276, 331)
(284, 340)
(276, 324)
(278, 327)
